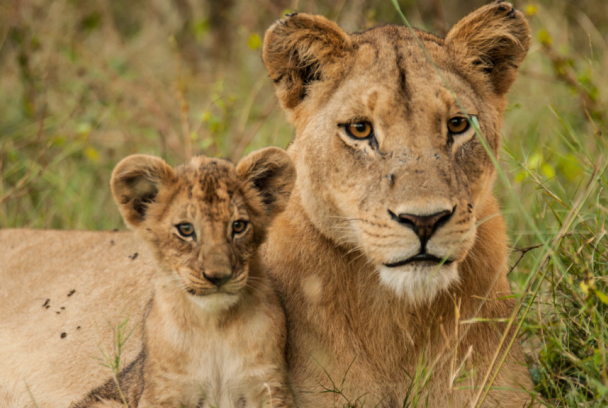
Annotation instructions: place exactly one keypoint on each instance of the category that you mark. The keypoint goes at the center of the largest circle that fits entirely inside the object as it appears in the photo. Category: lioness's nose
(424, 226)
(217, 279)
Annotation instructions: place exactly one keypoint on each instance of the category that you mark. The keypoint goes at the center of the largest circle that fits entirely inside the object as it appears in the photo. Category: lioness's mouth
(419, 258)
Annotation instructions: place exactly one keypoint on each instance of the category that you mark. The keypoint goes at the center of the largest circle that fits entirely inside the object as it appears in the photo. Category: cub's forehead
(209, 181)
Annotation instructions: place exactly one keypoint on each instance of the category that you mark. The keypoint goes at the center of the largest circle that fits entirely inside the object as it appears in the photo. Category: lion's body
(94, 283)
(370, 341)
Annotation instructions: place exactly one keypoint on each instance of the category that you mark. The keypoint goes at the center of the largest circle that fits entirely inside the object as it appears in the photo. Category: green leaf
(547, 170)
(91, 154)
(521, 176)
(570, 166)
(534, 161)
(254, 41)
(83, 128)
(544, 37)
(531, 10)
(602, 297)
(205, 143)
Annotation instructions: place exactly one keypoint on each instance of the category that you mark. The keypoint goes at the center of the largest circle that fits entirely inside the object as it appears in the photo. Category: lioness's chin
(215, 302)
(419, 282)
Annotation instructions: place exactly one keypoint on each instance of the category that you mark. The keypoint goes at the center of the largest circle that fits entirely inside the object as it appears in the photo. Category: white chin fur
(215, 302)
(418, 283)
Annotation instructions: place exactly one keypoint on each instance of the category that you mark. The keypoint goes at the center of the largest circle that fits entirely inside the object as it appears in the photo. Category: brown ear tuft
(135, 183)
(272, 174)
(493, 40)
(300, 49)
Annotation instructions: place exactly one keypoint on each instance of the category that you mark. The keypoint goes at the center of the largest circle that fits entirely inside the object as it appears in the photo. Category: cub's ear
(301, 49)
(492, 40)
(135, 183)
(272, 175)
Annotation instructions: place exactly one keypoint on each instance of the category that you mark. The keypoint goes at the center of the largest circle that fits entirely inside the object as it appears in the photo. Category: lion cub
(214, 331)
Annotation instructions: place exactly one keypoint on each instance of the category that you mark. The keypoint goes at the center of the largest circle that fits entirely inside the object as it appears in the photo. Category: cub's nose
(217, 279)
(424, 226)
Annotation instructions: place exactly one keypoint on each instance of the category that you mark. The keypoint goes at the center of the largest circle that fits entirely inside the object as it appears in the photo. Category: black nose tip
(217, 279)
(424, 226)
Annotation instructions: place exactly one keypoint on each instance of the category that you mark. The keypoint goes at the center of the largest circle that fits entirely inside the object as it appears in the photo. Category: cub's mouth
(420, 258)
(201, 293)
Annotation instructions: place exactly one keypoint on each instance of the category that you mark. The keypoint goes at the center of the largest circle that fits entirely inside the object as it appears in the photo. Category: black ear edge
(136, 182)
(272, 186)
(297, 52)
(272, 175)
(494, 40)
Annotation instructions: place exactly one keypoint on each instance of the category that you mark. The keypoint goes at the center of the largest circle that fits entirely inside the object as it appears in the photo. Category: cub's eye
(185, 229)
(458, 124)
(359, 130)
(239, 226)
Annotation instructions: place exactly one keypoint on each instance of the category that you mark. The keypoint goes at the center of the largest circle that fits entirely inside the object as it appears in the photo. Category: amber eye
(458, 124)
(359, 130)
(185, 229)
(239, 226)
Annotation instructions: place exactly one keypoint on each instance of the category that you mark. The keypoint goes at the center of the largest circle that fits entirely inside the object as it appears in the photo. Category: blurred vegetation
(85, 83)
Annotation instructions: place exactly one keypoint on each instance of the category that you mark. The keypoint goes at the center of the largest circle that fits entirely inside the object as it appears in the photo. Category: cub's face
(205, 219)
(201, 230)
(387, 156)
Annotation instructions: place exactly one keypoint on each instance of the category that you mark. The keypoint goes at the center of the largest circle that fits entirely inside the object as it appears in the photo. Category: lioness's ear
(272, 174)
(135, 183)
(301, 49)
(492, 40)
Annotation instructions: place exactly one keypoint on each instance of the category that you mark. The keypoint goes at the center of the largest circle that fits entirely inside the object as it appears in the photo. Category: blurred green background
(85, 83)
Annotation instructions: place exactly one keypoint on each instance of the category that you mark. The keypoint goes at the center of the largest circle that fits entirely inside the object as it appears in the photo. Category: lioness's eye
(239, 226)
(185, 229)
(458, 124)
(359, 130)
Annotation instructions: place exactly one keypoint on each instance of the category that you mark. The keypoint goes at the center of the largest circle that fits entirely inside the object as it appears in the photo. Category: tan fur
(357, 327)
(203, 345)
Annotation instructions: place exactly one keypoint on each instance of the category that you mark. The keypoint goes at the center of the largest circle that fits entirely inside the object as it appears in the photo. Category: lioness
(392, 238)
(214, 331)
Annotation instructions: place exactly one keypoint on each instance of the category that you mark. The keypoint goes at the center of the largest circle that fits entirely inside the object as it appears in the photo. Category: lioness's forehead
(390, 65)
(208, 181)
(399, 43)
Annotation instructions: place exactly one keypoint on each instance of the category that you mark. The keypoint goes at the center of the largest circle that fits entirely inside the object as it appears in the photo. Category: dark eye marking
(239, 227)
(458, 125)
(359, 130)
(186, 230)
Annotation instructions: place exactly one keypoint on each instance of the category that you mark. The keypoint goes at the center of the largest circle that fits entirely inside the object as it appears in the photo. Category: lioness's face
(388, 161)
(205, 219)
(392, 166)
